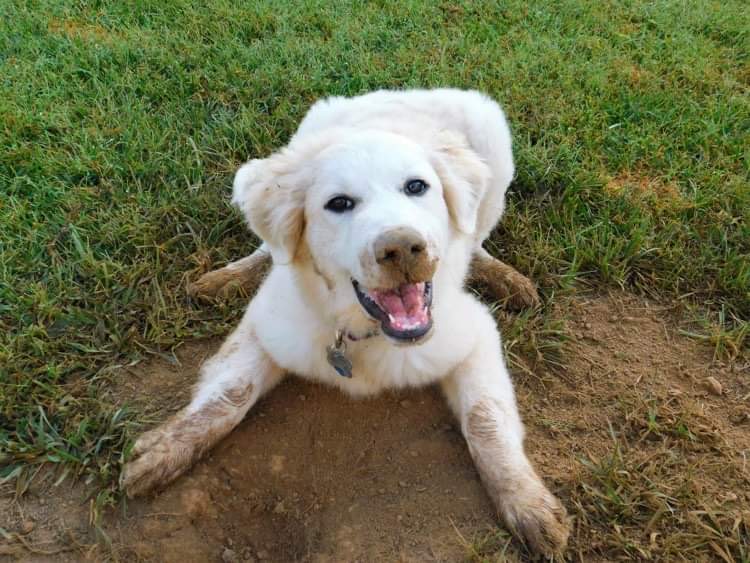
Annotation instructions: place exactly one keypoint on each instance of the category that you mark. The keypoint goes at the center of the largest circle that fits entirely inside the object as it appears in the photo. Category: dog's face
(371, 213)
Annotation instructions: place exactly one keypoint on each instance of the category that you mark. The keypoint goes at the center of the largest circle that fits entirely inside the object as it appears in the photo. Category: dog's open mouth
(403, 312)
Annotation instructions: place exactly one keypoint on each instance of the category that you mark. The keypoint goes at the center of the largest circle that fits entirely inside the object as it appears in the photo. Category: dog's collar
(357, 337)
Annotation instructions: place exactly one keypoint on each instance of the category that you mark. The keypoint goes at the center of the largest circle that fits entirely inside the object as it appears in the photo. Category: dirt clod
(713, 385)
(197, 503)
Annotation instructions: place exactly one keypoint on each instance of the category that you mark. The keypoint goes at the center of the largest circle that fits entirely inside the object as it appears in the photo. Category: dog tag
(336, 356)
(339, 362)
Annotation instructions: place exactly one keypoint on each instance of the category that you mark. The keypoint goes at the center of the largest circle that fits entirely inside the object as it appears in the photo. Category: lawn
(122, 124)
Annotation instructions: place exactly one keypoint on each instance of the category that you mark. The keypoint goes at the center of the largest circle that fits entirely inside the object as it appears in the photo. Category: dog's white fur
(366, 148)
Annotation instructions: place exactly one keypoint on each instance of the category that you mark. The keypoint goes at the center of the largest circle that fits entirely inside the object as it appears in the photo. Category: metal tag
(336, 356)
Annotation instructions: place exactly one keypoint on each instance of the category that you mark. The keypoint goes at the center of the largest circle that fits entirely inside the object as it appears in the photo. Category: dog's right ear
(270, 192)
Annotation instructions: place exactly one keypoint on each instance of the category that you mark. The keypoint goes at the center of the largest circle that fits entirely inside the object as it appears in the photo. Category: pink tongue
(405, 305)
(391, 302)
(413, 297)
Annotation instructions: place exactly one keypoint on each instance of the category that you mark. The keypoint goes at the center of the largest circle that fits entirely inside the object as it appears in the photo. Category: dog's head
(373, 214)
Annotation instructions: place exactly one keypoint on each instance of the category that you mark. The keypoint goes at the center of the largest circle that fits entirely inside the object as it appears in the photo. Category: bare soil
(312, 475)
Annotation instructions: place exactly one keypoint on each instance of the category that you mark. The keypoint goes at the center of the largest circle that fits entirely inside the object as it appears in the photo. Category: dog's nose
(404, 252)
(399, 245)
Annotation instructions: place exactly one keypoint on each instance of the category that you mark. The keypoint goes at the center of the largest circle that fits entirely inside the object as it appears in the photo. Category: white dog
(372, 214)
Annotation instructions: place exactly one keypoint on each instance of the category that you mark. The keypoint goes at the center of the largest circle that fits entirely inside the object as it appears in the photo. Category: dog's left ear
(465, 178)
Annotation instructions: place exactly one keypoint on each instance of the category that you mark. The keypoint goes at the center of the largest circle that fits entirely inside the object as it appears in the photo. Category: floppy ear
(271, 195)
(465, 178)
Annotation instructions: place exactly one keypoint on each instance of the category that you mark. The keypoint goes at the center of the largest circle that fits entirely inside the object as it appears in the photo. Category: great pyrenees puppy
(372, 215)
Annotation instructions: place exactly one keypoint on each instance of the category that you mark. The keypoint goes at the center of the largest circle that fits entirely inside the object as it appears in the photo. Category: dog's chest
(297, 339)
(376, 365)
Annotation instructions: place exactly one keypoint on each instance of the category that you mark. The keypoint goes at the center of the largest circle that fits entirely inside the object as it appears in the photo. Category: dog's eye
(415, 187)
(340, 204)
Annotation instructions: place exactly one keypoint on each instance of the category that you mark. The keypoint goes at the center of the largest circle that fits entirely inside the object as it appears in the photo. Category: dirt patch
(647, 192)
(643, 449)
(81, 30)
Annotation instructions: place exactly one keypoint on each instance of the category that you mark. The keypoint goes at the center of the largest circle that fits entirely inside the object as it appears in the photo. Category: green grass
(122, 124)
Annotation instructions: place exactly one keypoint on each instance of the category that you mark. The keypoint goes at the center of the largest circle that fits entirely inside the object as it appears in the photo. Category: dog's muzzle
(404, 312)
(402, 303)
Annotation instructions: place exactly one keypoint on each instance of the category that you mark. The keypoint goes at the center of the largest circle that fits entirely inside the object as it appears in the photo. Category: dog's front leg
(231, 382)
(481, 395)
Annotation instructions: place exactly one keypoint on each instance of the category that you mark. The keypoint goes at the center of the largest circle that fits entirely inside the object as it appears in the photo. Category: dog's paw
(537, 517)
(504, 282)
(521, 292)
(242, 277)
(159, 457)
(215, 283)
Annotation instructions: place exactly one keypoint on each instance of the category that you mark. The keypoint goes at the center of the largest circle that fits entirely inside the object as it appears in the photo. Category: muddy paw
(243, 276)
(214, 283)
(504, 282)
(520, 291)
(537, 518)
(159, 457)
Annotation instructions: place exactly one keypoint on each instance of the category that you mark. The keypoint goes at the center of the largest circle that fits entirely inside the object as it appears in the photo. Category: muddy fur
(244, 276)
(528, 509)
(503, 282)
